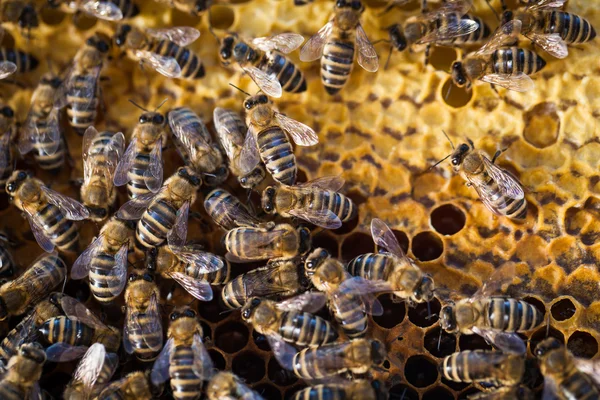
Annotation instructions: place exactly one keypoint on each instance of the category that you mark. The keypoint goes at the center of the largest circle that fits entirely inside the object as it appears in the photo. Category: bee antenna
(137, 105)
(211, 29)
(227, 311)
(161, 104)
(448, 92)
(388, 57)
(246, 93)
(493, 9)
(450, 140)
(439, 162)
(440, 338)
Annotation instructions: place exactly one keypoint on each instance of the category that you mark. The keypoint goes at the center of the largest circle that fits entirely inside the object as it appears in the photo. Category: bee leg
(498, 154)
(427, 49)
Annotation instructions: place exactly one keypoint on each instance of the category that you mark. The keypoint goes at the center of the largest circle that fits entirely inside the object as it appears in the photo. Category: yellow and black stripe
(157, 220)
(288, 74)
(571, 27)
(512, 60)
(189, 62)
(340, 205)
(336, 64)
(218, 277)
(487, 366)
(143, 342)
(505, 205)
(25, 62)
(12, 391)
(62, 232)
(306, 329)
(478, 36)
(81, 110)
(372, 266)
(278, 155)
(102, 283)
(65, 330)
(185, 383)
(578, 385)
(351, 315)
(511, 315)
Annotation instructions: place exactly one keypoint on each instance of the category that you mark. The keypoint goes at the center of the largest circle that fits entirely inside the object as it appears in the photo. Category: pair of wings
(150, 329)
(450, 29)
(82, 86)
(367, 56)
(191, 132)
(89, 368)
(552, 43)
(166, 65)
(231, 131)
(153, 176)
(111, 151)
(31, 134)
(232, 214)
(101, 9)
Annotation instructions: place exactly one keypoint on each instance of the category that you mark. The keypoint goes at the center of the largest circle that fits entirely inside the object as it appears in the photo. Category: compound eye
(455, 161)
(10, 187)
(247, 105)
(339, 3)
(158, 119)
(132, 277)
(190, 313)
(89, 42)
(148, 277)
(143, 119)
(8, 112)
(356, 5)
(21, 176)
(263, 99)
(174, 316)
(255, 302)
(246, 314)
(103, 47)
(126, 28)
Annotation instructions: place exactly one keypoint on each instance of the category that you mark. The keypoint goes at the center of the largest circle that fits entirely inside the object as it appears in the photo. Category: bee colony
(371, 144)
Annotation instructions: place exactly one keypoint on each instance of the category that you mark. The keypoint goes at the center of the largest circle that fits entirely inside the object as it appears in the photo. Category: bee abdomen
(483, 366)
(336, 64)
(321, 392)
(65, 330)
(337, 203)
(288, 74)
(571, 27)
(305, 329)
(371, 266)
(25, 62)
(184, 381)
(81, 110)
(61, 231)
(579, 386)
(481, 34)
(137, 184)
(221, 206)
(191, 66)
(234, 293)
(512, 208)
(155, 223)
(512, 60)
(513, 315)
(278, 155)
(218, 277)
(102, 282)
(310, 364)
(351, 316)
(140, 340)
(46, 161)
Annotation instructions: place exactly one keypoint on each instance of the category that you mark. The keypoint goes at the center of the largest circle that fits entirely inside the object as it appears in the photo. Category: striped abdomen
(81, 110)
(371, 266)
(25, 62)
(511, 315)
(127, 7)
(288, 74)
(350, 313)
(571, 27)
(278, 155)
(503, 204)
(336, 64)
(335, 202)
(65, 330)
(23, 332)
(45, 275)
(478, 36)
(184, 381)
(241, 242)
(8, 265)
(139, 340)
(578, 386)
(322, 392)
(483, 366)
(512, 60)
(61, 231)
(226, 210)
(218, 277)
(137, 184)
(191, 66)
(310, 363)
(13, 391)
(306, 329)
(155, 223)
(46, 161)
(102, 283)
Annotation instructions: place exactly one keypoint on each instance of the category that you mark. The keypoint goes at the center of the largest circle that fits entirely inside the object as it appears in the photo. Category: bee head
(546, 346)
(190, 176)
(120, 36)
(458, 74)
(424, 290)
(250, 307)
(448, 319)
(314, 259)
(7, 112)
(253, 178)
(507, 16)
(185, 313)
(100, 42)
(305, 240)
(216, 177)
(15, 181)
(34, 352)
(397, 37)
(55, 298)
(459, 154)
(51, 80)
(226, 49)
(378, 352)
(268, 199)
(153, 118)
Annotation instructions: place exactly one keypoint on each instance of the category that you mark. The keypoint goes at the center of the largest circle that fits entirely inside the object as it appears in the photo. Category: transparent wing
(545, 4)
(505, 35)
(450, 31)
(72, 209)
(160, 369)
(112, 153)
(508, 342)
(119, 272)
(81, 266)
(246, 393)
(63, 352)
(88, 137)
(367, 56)
(330, 182)
(589, 367)
(323, 218)
(202, 261)
(90, 366)
(504, 275)
(309, 302)
(283, 352)
(180, 35)
(230, 130)
(552, 43)
(166, 66)
(284, 42)
(268, 83)
(7, 68)
(505, 181)
(28, 133)
(176, 237)
(313, 48)
(134, 208)
(50, 136)
(40, 235)
(203, 365)
(125, 163)
(60, 95)
(249, 157)
(5, 150)
(86, 88)
(198, 288)
(191, 135)
(518, 82)
(302, 135)
(103, 10)
(130, 320)
(153, 325)
(73, 308)
(385, 238)
(357, 286)
(153, 176)
(460, 7)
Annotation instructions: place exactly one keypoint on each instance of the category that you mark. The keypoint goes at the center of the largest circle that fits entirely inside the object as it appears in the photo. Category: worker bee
(515, 392)
(499, 191)
(23, 373)
(231, 131)
(290, 320)
(80, 87)
(41, 131)
(198, 150)
(71, 335)
(101, 152)
(132, 387)
(263, 61)
(141, 166)
(92, 373)
(46, 273)
(225, 385)
(184, 357)
(497, 64)
(549, 27)
(162, 49)
(142, 334)
(281, 278)
(105, 260)
(490, 367)
(108, 10)
(335, 44)
(354, 390)
(392, 270)
(228, 212)
(267, 139)
(316, 201)
(166, 212)
(257, 243)
(8, 129)
(7, 264)
(49, 213)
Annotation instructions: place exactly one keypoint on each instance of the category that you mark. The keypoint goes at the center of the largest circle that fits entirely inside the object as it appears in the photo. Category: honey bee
(566, 376)
(228, 212)
(13, 61)
(231, 131)
(316, 201)
(105, 260)
(108, 10)
(8, 129)
(143, 334)
(359, 389)
(132, 387)
(227, 386)
(278, 278)
(184, 357)
(162, 49)
(80, 87)
(71, 335)
(263, 61)
(101, 152)
(335, 44)
(267, 139)
(499, 191)
(280, 242)
(7, 264)
(49, 213)
(141, 166)
(392, 270)
(197, 147)
(290, 320)
(492, 367)
(41, 131)
(166, 212)
(546, 25)
(498, 64)
(45, 274)
(92, 373)
(23, 373)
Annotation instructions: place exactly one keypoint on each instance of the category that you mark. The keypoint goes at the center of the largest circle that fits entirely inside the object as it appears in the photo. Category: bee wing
(153, 176)
(130, 320)
(198, 288)
(176, 237)
(125, 163)
(313, 48)
(385, 238)
(302, 135)
(552, 43)
(308, 301)
(505, 35)
(81, 266)
(545, 4)
(7, 68)
(364, 289)
(40, 235)
(367, 56)
(202, 261)
(508, 342)
(86, 92)
(73, 308)
(90, 366)
(88, 137)
(134, 208)
(246, 393)
(112, 153)
(509, 185)
(4, 150)
(153, 325)
(249, 156)
(589, 367)
(458, 6)
(60, 95)
(518, 82)
(160, 369)
(180, 35)
(493, 285)
(231, 135)
(28, 133)
(450, 31)
(323, 218)
(203, 366)
(103, 10)
(166, 66)
(284, 42)
(72, 209)
(268, 83)
(283, 352)
(330, 182)
(119, 271)
(63, 352)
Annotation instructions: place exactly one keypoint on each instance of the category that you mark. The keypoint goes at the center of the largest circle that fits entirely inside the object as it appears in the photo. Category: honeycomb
(381, 134)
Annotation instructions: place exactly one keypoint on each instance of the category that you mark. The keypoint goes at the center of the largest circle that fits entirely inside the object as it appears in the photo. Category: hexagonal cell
(537, 303)
(425, 314)
(438, 393)
(51, 16)
(542, 333)
(356, 244)
(248, 366)
(447, 219)
(542, 125)
(472, 342)
(326, 241)
(212, 310)
(404, 392)
(427, 246)
(402, 238)
(439, 346)
(420, 371)
(217, 359)
(231, 337)
(84, 22)
(441, 58)
(455, 96)
(268, 391)
(582, 344)
(221, 17)
(563, 309)
(393, 312)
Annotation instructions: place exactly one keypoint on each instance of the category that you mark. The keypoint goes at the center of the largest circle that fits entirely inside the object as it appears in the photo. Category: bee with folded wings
(92, 373)
(228, 212)
(335, 44)
(23, 373)
(108, 10)
(263, 61)
(8, 128)
(162, 49)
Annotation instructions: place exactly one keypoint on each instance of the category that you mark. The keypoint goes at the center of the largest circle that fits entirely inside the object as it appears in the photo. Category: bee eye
(255, 302)
(143, 119)
(10, 187)
(246, 314)
(190, 313)
(244, 180)
(148, 277)
(126, 28)
(356, 5)
(247, 105)
(21, 176)
(263, 99)
(455, 161)
(89, 42)
(8, 112)
(339, 3)
(174, 316)
(102, 47)
(158, 119)
(132, 277)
